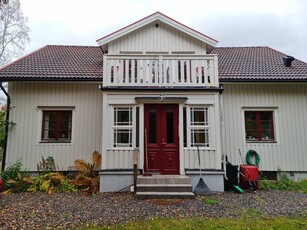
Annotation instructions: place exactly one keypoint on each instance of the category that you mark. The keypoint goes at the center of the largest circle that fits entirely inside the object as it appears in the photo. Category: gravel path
(68, 210)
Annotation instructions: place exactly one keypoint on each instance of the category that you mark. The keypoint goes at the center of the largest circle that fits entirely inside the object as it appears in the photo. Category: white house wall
(289, 102)
(24, 138)
(156, 39)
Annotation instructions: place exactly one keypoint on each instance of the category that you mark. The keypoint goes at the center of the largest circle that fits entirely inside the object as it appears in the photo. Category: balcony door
(161, 138)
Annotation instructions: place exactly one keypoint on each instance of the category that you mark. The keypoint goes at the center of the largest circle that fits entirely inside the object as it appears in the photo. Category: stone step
(164, 188)
(165, 195)
(163, 179)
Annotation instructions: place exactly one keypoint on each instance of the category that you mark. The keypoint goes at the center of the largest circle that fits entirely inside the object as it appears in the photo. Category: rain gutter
(7, 119)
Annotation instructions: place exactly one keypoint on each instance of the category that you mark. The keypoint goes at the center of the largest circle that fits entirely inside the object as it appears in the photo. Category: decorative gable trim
(154, 17)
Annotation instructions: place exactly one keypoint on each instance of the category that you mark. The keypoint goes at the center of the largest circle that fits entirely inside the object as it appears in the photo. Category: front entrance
(161, 138)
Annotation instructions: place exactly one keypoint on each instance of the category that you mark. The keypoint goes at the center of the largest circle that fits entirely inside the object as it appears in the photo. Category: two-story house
(157, 92)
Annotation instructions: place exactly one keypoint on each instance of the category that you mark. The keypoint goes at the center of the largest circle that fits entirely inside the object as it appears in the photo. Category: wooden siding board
(24, 140)
(289, 153)
(149, 38)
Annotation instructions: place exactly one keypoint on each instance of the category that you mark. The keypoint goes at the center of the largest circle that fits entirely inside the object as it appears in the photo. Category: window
(122, 127)
(199, 127)
(56, 126)
(259, 126)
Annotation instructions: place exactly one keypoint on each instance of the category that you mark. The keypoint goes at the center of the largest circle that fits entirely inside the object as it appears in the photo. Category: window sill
(55, 142)
(261, 142)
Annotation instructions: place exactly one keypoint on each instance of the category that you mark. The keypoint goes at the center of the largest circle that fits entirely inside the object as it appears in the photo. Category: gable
(153, 24)
(157, 37)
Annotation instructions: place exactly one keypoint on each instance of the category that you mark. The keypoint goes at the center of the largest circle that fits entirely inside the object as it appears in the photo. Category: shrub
(47, 165)
(284, 183)
(87, 178)
(12, 173)
(50, 182)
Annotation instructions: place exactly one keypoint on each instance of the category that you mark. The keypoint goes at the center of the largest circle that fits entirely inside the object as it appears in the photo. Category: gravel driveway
(68, 210)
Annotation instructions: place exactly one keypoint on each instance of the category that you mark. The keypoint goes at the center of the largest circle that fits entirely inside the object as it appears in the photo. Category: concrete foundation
(122, 181)
(116, 181)
(213, 179)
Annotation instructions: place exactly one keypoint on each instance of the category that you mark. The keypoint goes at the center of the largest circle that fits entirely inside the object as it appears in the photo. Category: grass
(209, 201)
(251, 219)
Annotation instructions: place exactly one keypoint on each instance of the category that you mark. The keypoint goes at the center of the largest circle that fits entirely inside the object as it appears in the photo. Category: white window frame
(118, 127)
(193, 128)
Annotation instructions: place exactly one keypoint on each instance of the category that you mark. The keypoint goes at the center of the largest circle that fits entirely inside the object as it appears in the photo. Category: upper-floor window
(56, 126)
(259, 126)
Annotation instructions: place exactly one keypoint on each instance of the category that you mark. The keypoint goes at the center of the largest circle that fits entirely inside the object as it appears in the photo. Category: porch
(167, 70)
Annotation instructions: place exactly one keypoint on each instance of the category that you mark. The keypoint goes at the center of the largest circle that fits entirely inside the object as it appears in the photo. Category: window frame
(57, 129)
(193, 127)
(118, 127)
(258, 129)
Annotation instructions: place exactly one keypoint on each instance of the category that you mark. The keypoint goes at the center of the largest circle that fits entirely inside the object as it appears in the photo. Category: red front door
(161, 138)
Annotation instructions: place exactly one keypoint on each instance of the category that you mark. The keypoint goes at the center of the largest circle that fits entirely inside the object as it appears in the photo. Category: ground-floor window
(122, 127)
(196, 126)
(125, 126)
(259, 126)
(56, 126)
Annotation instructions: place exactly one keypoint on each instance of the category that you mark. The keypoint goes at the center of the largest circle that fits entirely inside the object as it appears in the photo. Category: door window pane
(169, 126)
(152, 132)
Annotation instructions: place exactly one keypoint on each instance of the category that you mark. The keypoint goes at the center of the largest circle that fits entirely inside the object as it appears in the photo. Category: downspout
(223, 144)
(7, 120)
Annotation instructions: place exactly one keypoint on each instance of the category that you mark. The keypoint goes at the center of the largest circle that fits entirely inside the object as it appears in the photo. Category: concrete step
(164, 188)
(163, 179)
(165, 195)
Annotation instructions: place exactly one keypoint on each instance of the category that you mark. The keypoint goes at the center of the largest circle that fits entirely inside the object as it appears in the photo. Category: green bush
(13, 173)
(284, 183)
(52, 182)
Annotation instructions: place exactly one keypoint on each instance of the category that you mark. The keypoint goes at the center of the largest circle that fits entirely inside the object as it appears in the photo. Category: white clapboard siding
(289, 102)
(156, 39)
(27, 98)
(209, 159)
(119, 159)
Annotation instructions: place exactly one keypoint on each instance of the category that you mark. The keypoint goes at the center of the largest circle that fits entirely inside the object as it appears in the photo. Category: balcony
(160, 71)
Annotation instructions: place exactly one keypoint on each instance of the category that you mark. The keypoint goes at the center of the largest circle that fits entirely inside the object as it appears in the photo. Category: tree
(14, 32)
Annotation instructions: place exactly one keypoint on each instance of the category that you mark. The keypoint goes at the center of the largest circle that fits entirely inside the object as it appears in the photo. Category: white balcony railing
(160, 70)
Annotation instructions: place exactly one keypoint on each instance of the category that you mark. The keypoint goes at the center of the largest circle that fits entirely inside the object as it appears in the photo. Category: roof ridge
(92, 46)
(242, 47)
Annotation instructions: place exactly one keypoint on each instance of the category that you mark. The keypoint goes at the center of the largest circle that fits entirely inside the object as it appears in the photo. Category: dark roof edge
(262, 80)
(140, 88)
(52, 79)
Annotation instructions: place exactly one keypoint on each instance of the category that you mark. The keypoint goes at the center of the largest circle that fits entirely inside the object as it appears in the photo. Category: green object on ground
(238, 189)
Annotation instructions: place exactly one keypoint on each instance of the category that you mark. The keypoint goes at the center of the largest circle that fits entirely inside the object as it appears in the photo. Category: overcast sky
(279, 24)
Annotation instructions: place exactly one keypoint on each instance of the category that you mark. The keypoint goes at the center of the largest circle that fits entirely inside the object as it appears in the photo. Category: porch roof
(84, 63)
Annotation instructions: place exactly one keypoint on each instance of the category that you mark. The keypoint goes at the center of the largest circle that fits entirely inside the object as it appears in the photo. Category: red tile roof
(56, 62)
(257, 64)
(84, 63)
